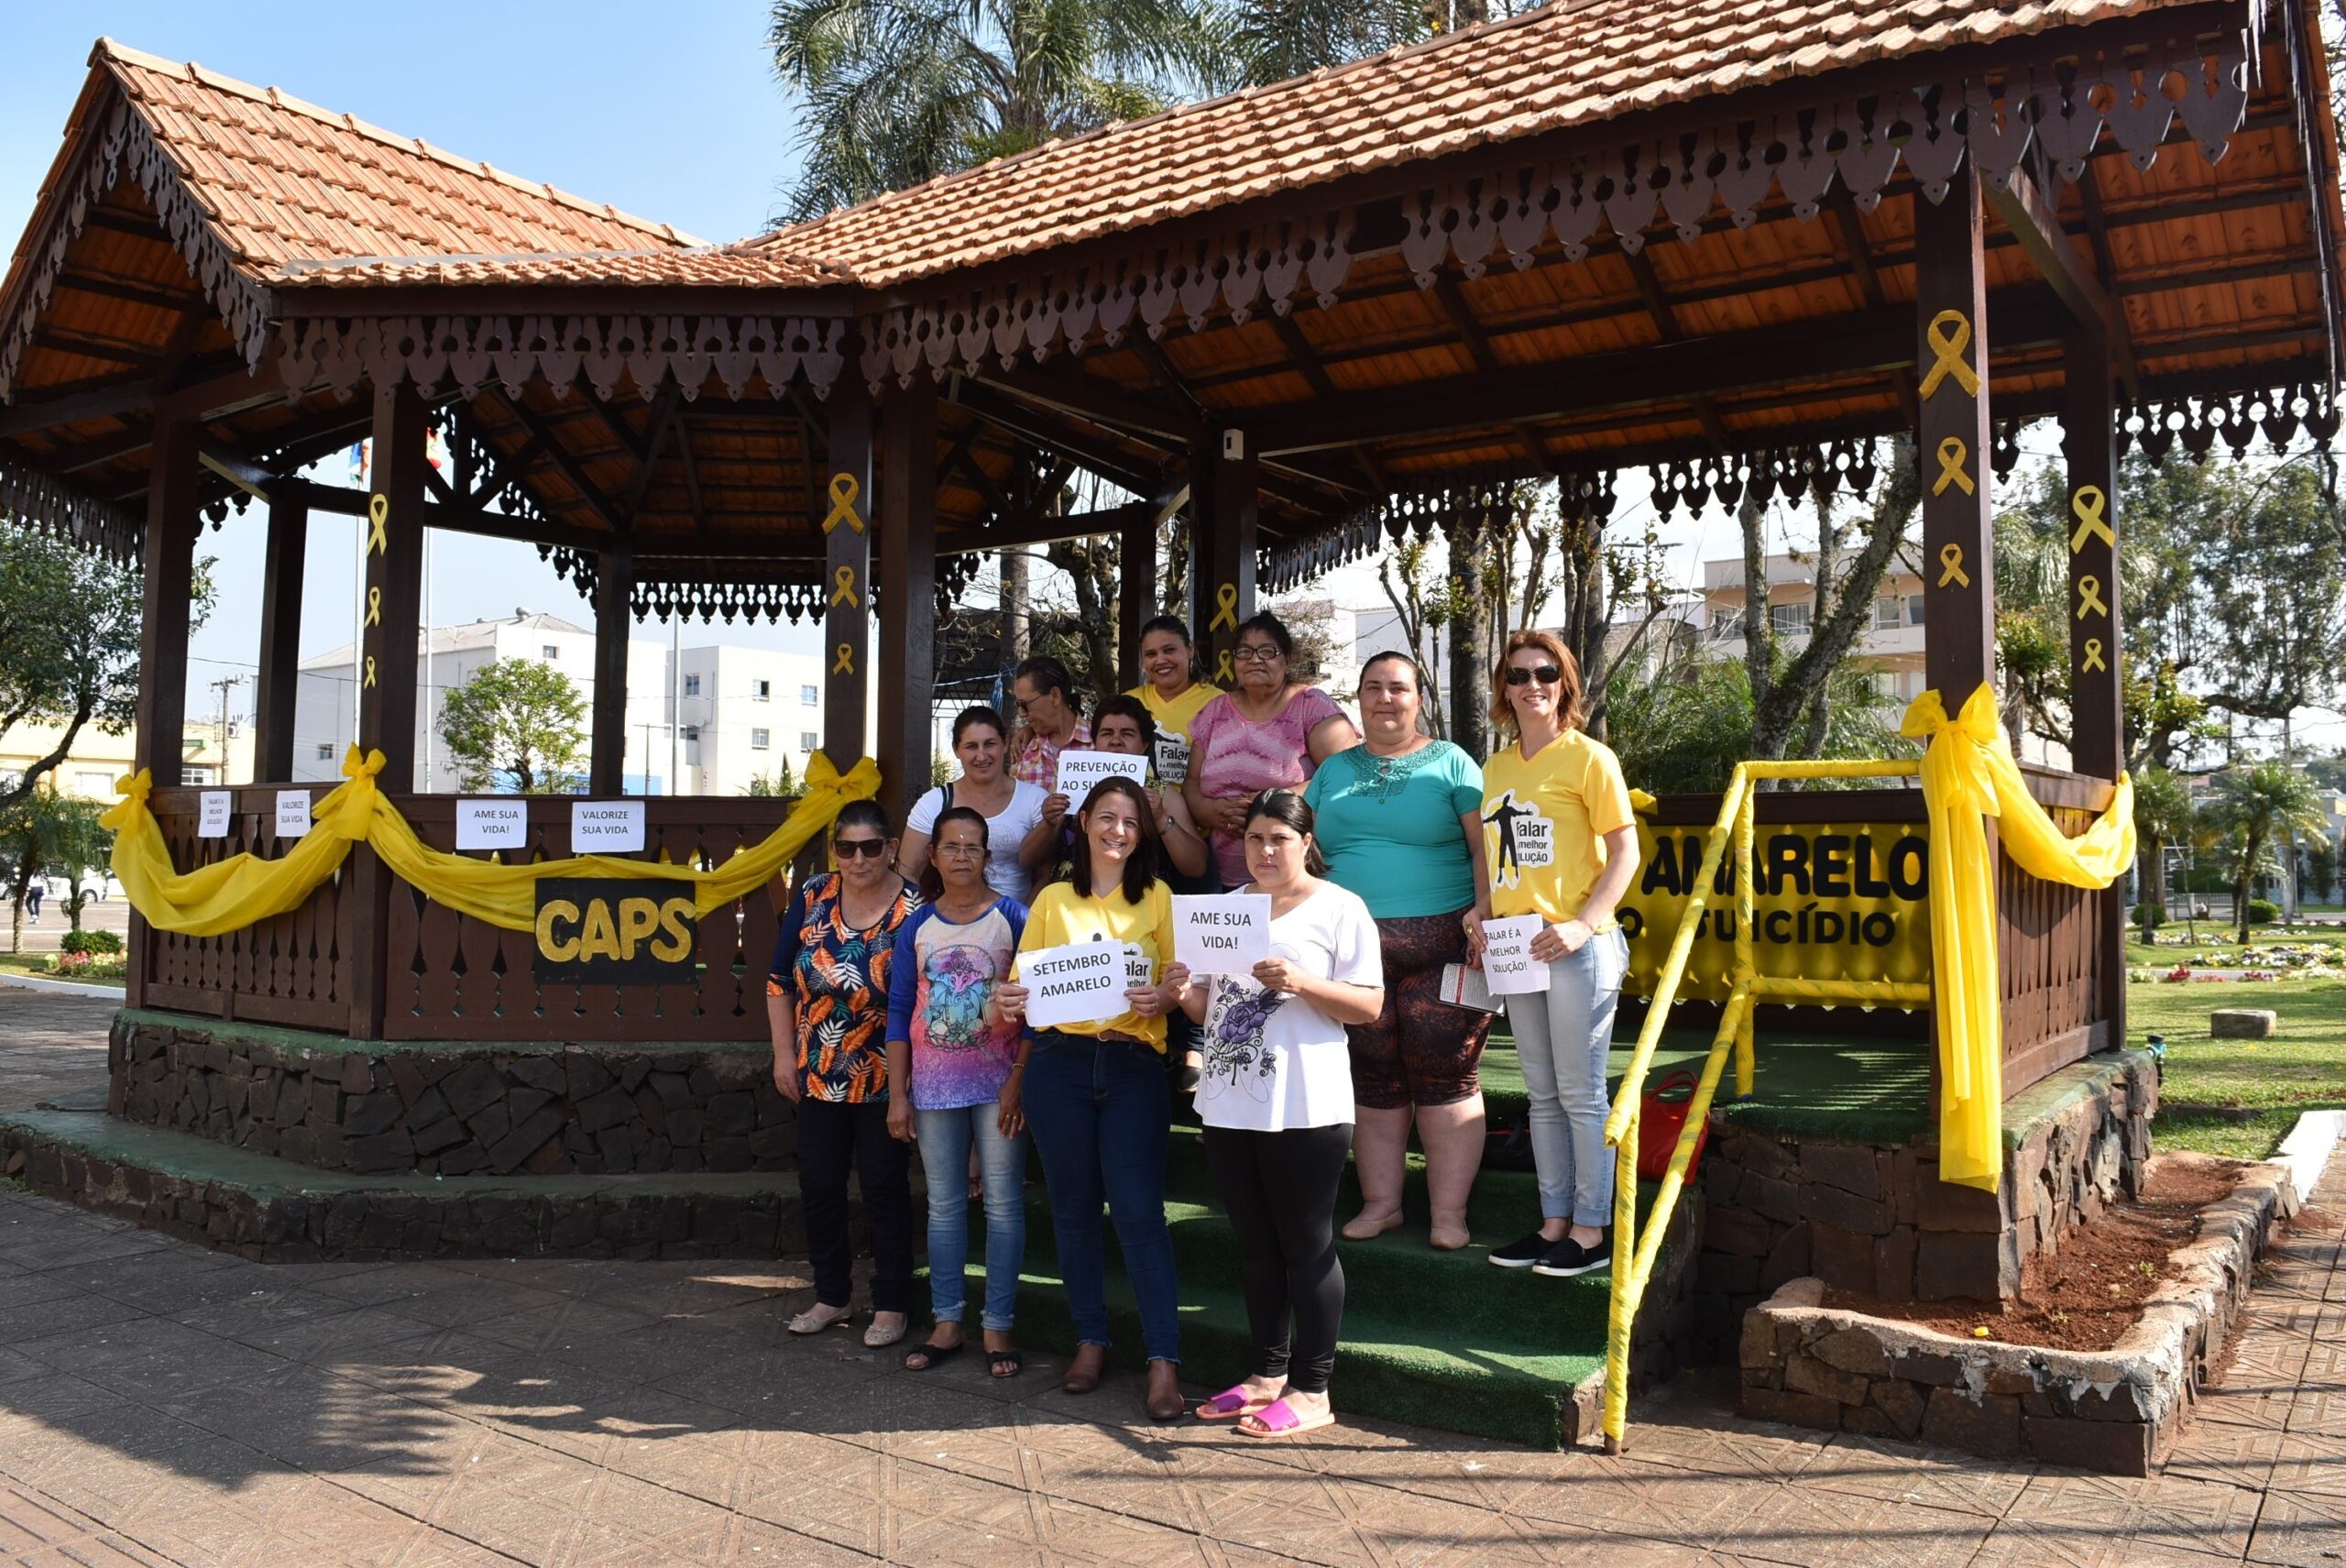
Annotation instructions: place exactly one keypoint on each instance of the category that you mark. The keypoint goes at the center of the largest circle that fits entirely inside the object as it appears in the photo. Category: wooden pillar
(393, 552)
(614, 618)
(2096, 631)
(847, 571)
(1135, 592)
(1951, 445)
(168, 585)
(908, 610)
(1222, 576)
(275, 701)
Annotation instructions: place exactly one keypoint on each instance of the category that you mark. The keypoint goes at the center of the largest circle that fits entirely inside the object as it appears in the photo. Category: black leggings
(1280, 1190)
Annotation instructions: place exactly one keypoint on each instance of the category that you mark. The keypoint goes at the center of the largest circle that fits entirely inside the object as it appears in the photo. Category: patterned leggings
(1420, 1050)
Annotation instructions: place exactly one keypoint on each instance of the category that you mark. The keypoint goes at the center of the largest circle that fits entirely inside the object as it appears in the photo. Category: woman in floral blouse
(827, 1001)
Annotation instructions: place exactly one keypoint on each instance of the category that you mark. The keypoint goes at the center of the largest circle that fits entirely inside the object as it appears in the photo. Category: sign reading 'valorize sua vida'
(605, 826)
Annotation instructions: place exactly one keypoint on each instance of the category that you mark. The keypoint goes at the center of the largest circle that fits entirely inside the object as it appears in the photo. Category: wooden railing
(446, 976)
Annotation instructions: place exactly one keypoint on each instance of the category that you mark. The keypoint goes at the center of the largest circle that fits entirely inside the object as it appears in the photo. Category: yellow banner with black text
(1831, 901)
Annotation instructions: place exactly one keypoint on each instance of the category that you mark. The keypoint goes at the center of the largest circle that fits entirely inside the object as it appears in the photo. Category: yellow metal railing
(1634, 1254)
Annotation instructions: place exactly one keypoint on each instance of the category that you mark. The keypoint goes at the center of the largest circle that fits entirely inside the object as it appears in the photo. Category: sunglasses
(867, 848)
(1546, 674)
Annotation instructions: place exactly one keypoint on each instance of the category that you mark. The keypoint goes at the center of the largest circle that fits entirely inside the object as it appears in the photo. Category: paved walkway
(162, 1404)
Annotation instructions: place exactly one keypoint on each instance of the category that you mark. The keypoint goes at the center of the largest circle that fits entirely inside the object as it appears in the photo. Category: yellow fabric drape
(1969, 775)
(242, 889)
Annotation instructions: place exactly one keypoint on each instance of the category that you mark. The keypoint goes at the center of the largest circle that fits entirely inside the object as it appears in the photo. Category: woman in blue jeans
(1096, 1093)
(953, 1081)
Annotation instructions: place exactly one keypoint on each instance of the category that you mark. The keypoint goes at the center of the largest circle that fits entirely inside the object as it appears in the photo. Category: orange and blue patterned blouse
(838, 975)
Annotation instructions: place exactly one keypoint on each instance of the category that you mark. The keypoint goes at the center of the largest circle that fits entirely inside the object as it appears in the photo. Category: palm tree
(2260, 804)
(901, 91)
(1271, 40)
(2163, 815)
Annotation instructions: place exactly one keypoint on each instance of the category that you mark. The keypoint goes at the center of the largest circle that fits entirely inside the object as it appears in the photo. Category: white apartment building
(1891, 643)
(732, 715)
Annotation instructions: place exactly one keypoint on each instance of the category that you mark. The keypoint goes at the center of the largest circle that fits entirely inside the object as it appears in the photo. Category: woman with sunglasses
(1096, 1094)
(827, 1005)
(1563, 845)
(954, 1067)
(1269, 733)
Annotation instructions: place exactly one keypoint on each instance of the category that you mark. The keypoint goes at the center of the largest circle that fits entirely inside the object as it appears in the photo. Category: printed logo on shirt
(1172, 759)
(1236, 1057)
(1522, 838)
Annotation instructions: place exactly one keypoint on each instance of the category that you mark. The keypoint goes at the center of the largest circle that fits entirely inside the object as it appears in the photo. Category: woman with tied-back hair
(1269, 733)
(1011, 807)
(1400, 820)
(1172, 692)
(1096, 1094)
(1564, 846)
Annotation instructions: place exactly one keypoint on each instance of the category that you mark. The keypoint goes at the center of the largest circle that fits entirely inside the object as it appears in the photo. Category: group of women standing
(899, 1011)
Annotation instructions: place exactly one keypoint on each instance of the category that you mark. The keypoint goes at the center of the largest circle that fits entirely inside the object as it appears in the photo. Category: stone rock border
(2115, 1410)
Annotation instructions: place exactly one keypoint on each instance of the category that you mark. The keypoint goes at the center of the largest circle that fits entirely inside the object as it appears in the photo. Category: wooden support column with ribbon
(1135, 592)
(2096, 631)
(908, 609)
(391, 550)
(1951, 442)
(281, 636)
(847, 571)
(1222, 509)
(614, 620)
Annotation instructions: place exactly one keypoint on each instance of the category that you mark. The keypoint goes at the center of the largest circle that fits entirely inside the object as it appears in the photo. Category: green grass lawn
(2264, 1084)
(37, 964)
(2214, 937)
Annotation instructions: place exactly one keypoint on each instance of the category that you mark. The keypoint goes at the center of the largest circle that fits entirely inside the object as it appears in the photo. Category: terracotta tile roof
(698, 268)
(1566, 64)
(283, 180)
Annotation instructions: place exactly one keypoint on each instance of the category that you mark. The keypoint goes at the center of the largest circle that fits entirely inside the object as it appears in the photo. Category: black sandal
(1005, 1363)
(932, 1355)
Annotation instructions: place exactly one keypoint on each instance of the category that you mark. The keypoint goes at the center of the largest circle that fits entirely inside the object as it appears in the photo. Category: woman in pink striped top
(1270, 733)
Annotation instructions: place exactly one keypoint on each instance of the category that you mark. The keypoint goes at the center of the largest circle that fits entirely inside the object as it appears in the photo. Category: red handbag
(1660, 1118)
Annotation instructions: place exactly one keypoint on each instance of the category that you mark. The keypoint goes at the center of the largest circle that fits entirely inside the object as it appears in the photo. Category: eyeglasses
(1254, 653)
(850, 848)
(1546, 674)
(961, 851)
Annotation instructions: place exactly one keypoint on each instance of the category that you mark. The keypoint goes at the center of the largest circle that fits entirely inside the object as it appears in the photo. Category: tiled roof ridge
(1456, 39)
(112, 52)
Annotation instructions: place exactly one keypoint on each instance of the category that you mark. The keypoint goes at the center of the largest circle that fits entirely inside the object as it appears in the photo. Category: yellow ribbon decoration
(374, 607)
(2089, 504)
(379, 512)
(845, 489)
(1952, 452)
(2090, 598)
(1224, 674)
(1226, 596)
(2093, 656)
(1969, 775)
(1951, 561)
(1948, 336)
(230, 895)
(845, 664)
(370, 669)
(844, 590)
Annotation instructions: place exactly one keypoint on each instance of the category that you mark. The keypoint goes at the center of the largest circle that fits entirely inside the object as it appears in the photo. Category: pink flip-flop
(1230, 1404)
(1279, 1419)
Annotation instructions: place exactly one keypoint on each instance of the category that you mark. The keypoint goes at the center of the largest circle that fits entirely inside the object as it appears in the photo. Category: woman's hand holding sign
(1559, 940)
(1010, 1001)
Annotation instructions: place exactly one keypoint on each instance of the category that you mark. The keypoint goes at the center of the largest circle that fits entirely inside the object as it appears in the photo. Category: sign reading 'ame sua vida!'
(616, 930)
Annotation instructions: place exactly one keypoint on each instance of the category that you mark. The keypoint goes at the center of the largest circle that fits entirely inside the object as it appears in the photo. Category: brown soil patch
(2092, 1291)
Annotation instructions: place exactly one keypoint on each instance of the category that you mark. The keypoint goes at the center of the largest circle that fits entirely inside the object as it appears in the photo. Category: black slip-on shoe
(1566, 1258)
(1522, 1253)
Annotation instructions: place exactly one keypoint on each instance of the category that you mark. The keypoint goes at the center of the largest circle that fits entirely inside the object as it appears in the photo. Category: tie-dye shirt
(838, 975)
(942, 977)
(1234, 758)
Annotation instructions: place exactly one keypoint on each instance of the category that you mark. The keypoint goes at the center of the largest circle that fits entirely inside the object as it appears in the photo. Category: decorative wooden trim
(33, 500)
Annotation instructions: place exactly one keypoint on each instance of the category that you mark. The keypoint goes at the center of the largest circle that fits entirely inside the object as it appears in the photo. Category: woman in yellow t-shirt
(1562, 844)
(1095, 1095)
(1173, 692)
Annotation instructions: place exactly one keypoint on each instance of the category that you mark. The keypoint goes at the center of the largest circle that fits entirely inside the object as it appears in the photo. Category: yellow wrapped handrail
(230, 895)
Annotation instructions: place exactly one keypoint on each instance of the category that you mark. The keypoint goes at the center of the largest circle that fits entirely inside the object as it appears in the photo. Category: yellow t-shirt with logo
(1544, 822)
(1173, 719)
(1061, 915)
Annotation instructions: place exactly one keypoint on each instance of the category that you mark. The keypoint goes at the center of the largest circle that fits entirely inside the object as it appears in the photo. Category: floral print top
(838, 975)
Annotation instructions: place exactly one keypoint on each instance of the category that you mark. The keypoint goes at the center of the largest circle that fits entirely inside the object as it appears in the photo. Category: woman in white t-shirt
(1011, 807)
(1275, 1092)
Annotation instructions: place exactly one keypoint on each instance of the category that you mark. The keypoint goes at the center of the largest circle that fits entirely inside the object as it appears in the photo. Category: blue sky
(668, 111)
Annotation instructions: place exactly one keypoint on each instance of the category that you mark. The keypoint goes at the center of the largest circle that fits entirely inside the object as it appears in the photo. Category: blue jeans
(1101, 1111)
(1563, 1037)
(945, 1137)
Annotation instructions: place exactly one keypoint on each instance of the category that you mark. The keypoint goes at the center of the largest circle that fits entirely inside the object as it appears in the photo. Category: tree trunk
(1470, 653)
(1759, 622)
(1013, 612)
(1828, 563)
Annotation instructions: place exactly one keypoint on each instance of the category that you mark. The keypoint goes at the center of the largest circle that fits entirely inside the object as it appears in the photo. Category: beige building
(99, 759)
(1890, 644)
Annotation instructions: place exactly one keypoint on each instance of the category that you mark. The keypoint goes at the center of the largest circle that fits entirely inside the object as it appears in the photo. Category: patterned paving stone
(2301, 1530)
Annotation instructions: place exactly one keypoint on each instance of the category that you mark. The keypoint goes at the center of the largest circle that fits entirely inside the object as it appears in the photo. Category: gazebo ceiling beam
(340, 501)
(1020, 419)
(665, 403)
(1848, 224)
(1453, 301)
(965, 463)
(683, 432)
(1665, 325)
(2105, 261)
(2035, 222)
(560, 457)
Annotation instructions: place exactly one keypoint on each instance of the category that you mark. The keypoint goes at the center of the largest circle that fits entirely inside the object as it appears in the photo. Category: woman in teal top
(1400, 824)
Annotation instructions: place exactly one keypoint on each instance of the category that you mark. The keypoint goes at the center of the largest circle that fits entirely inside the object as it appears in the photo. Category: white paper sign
(1221, 934)
(1507, 964)
(211, 814)
(493, 824)
(605, 826)
(1079, 770)
(1082, 982)
(292, 812)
